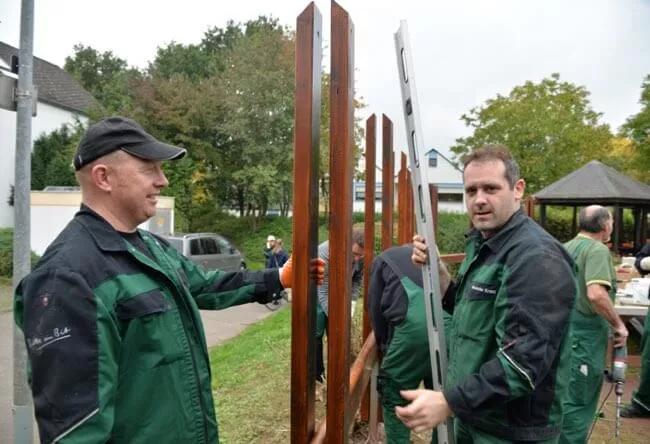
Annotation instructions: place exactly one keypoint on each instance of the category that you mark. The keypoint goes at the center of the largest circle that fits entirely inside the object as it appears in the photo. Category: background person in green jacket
(110, 314)
(640, 405)
(593, 315)
(508, 353)
(397, 311)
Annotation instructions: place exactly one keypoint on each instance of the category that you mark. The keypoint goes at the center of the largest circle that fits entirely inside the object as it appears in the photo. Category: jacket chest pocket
(476, 317)
(149, 337)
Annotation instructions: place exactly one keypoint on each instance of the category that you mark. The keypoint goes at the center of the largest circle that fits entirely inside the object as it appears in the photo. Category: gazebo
(596, 183)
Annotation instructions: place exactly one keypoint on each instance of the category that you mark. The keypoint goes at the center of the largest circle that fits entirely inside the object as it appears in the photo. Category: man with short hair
(322, 308)
(110, 313)
(508, 343)
(593, 315)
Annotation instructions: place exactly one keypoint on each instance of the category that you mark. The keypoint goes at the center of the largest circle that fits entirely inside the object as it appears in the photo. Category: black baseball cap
(120, 133)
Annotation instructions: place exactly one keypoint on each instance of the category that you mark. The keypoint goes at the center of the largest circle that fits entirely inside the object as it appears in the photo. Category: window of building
(450, 197)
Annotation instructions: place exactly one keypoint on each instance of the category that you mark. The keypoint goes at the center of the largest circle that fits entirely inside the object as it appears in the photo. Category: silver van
(209, 250)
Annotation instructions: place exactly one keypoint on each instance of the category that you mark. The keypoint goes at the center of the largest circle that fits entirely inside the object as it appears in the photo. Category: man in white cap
(268, 251)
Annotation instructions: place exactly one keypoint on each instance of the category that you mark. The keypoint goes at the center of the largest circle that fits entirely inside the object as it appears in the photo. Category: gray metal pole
(23, 433)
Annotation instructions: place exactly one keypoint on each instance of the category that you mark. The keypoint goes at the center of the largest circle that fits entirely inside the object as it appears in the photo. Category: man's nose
(162, 181)
(480, 198)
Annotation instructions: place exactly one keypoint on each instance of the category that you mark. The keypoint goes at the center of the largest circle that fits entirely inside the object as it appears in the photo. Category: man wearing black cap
(110, 314)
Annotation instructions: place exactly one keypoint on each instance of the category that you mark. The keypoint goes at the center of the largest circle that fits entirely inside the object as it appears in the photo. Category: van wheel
(242, 266)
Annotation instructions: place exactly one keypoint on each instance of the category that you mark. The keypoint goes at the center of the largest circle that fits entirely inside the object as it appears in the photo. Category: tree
(106, 76)
(637, 128)
(258, 83)
(196, 61)
(52, 157)
(623, 156)
(549, 127)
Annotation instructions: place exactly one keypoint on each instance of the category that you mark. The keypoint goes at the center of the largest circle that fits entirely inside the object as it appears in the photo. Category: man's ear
(520, 187)
(100, 175)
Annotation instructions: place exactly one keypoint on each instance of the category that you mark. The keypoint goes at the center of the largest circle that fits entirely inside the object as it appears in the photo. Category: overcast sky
(465, 51)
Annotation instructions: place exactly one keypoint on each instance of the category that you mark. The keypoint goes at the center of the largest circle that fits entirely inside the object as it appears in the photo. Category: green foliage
(549, 126)
(52, 157)
(559, 223)
(637, 128)
(105, 76)
(7, 253)
(250, 237)
(258, 94)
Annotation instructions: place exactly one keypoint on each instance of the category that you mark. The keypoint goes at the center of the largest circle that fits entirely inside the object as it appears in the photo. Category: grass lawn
(6, 295)
(250, 382)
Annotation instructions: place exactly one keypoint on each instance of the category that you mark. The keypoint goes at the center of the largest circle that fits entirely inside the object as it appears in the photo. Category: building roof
(595, 183)
(55, 86)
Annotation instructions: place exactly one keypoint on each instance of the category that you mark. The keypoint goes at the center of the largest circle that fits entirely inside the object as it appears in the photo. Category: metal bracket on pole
(10, 94)
(423, 216)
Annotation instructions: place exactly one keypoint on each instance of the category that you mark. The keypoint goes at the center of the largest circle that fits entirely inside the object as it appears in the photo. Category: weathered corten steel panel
(369, 239)
(387, 198)
(305, 220)
(340, 224)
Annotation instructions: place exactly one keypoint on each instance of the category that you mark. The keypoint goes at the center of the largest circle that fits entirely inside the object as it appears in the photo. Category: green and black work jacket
(509, 360)
(116, 347)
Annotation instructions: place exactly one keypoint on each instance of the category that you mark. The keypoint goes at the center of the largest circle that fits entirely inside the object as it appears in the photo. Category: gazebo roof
(595, 183)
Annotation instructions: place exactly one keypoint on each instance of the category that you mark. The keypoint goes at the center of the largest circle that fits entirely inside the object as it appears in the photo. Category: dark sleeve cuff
(449, 298)
(271, 285)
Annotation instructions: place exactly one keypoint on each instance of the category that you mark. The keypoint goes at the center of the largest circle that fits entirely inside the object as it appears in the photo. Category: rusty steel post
(404, 204)
(433, 193)
(340, 224)
(387, 185)
(305, 221)
(369, 239)
(410, 208)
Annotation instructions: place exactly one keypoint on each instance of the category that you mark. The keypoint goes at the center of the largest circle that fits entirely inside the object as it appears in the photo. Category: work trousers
(465, 434)
(406, 364)
(641, 395)
(588, 349)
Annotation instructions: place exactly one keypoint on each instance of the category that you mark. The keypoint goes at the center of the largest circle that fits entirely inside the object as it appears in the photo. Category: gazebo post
(574, 221)
(542, 215)
(644, 226)
(618, 228)
(637, 228)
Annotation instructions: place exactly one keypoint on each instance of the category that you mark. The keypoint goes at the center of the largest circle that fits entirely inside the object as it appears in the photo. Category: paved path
(219, 326)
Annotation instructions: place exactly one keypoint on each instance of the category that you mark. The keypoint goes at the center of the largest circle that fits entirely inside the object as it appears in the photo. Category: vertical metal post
(404, 204)
(305, 221)
(23, 430)
(430, 275)
(387, 186)
(574, 221)
(433, 193)
(410, 207)
(618, 229)
(369, 237)
(542, 215)
(340, 228)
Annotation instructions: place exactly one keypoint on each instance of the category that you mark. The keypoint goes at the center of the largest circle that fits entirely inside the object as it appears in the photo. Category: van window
(195, 247)
(209, 246)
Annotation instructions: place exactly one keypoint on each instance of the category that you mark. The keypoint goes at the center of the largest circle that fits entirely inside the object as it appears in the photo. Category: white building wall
(50, 212)
(48, 119)
(444, 173)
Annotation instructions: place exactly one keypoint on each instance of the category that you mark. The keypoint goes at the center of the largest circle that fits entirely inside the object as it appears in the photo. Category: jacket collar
(501, 237)
(105, 236)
